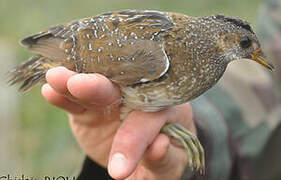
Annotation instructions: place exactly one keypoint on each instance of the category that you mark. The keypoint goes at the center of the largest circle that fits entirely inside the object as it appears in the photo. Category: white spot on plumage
(90, 47)
(144, 80)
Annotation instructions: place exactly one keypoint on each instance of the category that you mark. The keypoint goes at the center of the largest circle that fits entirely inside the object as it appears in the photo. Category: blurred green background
(35, 138)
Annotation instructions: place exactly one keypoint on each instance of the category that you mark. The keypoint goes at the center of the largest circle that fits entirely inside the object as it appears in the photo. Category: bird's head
(237, 40)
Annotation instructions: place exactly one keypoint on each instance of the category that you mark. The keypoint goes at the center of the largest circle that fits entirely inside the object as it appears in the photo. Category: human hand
(139, 150)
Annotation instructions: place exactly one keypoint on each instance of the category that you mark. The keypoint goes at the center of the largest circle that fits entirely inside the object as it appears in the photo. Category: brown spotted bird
(158, 59)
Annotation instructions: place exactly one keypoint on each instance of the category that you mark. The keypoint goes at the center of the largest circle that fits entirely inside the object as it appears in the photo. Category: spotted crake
(158, 59)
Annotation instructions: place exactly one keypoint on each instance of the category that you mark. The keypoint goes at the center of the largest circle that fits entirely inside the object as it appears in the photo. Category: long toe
(190, 143)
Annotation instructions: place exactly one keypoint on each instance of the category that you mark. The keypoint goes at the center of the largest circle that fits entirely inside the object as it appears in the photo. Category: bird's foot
(190, 143)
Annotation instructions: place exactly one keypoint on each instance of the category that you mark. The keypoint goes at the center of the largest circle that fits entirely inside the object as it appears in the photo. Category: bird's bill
(258, 57)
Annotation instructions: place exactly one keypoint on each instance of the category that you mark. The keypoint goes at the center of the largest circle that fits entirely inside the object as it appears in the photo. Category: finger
(161, 157)
(93, 89)
(136, 134)
(158, 148)
(60, 101)
(57, 78)
(184, 116)
(132, 139)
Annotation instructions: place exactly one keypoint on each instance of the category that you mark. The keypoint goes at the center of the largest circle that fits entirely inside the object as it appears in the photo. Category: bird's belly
(150, 101)
(155, 96)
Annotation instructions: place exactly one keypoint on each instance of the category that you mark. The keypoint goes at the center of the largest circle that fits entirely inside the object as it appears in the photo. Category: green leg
(190, 143)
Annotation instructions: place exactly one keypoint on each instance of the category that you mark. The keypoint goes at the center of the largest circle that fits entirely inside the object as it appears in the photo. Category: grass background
(35, 137)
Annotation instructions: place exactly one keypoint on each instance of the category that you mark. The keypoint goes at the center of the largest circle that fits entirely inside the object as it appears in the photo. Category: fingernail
(117, 165)
(46, 86)
(91, 76)
(60, 67)
(85, 76)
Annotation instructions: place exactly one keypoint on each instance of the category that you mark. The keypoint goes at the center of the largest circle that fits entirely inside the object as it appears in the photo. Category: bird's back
(126, 46)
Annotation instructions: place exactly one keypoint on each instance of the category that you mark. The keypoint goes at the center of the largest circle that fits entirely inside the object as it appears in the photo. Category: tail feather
(50, 53)
(31, 72)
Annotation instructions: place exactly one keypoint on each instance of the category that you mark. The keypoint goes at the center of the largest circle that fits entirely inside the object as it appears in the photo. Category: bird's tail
(31, 72)
(49, 54)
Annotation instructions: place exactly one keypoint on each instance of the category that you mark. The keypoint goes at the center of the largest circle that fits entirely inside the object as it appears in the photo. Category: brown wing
(124, 46)
(136, 61)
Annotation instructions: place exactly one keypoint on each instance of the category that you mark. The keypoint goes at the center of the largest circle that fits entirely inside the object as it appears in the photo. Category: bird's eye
(245, 42)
